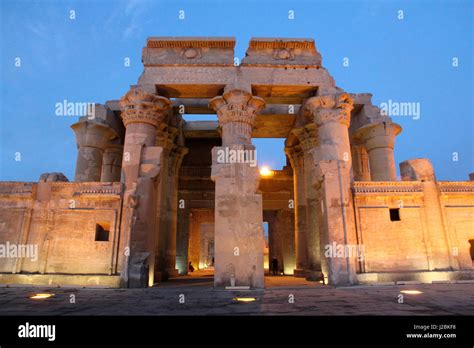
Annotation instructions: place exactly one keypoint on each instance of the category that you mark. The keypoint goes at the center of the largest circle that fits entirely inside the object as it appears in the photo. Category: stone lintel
(201, 129)
(197, 81)
(196, 106)
(266, 126)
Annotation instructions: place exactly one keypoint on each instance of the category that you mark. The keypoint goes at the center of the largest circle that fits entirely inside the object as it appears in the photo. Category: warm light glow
(245, 299)
(41, 296)
(265, 171)
(411, 292)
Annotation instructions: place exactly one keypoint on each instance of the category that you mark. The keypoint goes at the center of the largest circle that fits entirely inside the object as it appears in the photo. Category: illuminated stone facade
(152, 192)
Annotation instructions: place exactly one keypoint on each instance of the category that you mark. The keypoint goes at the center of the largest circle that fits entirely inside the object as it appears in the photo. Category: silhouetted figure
(275, 266)
(213, 261)
(190, 267)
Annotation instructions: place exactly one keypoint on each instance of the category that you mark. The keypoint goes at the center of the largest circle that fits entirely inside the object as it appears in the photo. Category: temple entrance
(196, 236)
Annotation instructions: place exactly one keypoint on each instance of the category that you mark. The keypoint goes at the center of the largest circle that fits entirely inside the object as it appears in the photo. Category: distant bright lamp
(41, 296)
(411, 292)
(245, 299)
(265, 171)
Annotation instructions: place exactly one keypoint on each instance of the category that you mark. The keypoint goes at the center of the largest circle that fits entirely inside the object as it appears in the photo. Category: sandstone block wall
(412, 243)
(61, 219)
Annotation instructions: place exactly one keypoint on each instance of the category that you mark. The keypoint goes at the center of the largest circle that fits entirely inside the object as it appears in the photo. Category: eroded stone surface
(150, 193)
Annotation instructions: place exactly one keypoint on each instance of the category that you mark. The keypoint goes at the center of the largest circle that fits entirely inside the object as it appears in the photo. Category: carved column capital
(166, 138)
(378, 135)
(93, 134)
(308, 137)
(142, 107)
(237, 111)
(237, 106)
(330, 108)
(379, 140)
(295, 155)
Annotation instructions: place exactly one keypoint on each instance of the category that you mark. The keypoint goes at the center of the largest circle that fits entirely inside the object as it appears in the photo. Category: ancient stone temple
(153, 192)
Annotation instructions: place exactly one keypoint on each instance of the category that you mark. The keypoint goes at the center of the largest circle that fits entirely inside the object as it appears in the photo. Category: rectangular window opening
(102, 231)
(395, 214)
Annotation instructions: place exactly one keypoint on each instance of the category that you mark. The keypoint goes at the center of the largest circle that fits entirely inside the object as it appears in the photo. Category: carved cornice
(99, 189)
(195, 42)
(262, 43)
(16, 188)
(388, 186)
(456, 186)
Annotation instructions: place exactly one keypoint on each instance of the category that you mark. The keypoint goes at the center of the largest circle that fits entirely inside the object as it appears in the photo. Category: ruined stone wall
(457, 202)
(61, 219)
(413, 243)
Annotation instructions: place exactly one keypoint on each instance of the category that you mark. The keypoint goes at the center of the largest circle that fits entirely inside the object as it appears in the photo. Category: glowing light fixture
(265, 171)
(245, 299)
(411, 292)
(41, 296)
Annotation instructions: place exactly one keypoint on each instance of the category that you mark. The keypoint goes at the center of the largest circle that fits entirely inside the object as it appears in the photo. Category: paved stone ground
(200, 299)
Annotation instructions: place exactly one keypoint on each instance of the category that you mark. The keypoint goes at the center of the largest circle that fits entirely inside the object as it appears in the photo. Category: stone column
(360, 162)
(379, 140)
(112, 163)
(92, 138)
(239, 241)
(332, 178)
(164, 139)
(166, 214)
(169, 248)
(194, 238)
(286, 234)
(274, 239)
(142, 114)
(295, 155)
(182, 240)
(309, 144)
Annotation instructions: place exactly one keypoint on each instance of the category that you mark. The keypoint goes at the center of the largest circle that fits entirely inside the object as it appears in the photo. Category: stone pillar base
(299, 273)
(314, 276)
(138, 270)
(171, 272)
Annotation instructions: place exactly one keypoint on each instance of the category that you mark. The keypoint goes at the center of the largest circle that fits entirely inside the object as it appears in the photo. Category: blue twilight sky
(82, 60)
